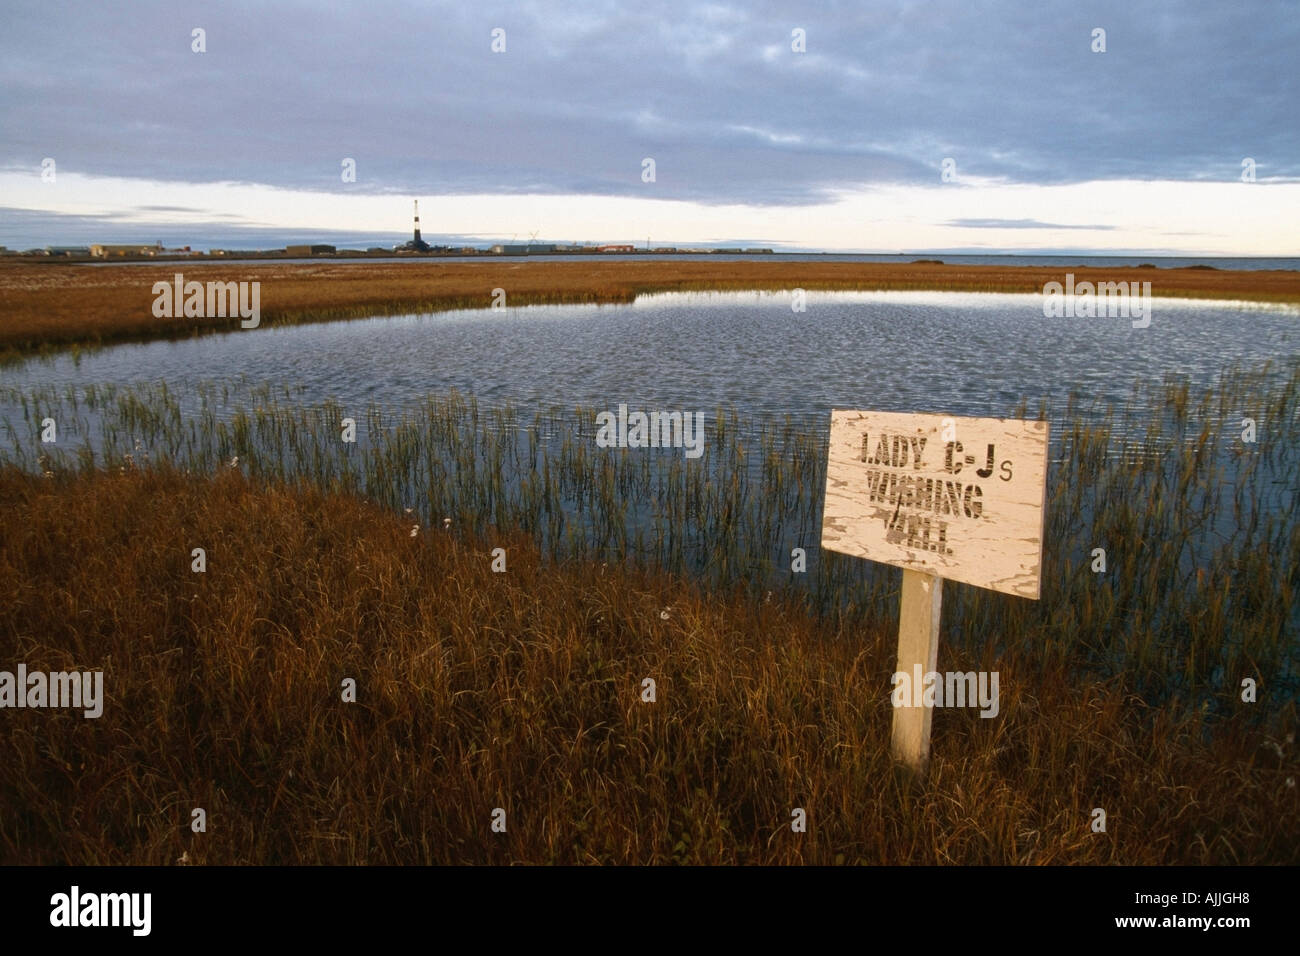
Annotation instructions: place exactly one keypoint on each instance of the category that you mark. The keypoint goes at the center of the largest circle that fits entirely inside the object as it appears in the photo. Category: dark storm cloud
(712, 92)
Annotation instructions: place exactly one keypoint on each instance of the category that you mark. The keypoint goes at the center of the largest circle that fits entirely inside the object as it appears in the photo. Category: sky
(966, 126)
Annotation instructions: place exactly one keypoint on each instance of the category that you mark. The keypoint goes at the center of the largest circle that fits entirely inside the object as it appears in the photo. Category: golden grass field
(522, 690)
(58, 304)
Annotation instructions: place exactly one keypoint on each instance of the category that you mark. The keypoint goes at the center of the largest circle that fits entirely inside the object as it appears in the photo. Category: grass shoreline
(1204, 599)
(55, 306)
(522, 690)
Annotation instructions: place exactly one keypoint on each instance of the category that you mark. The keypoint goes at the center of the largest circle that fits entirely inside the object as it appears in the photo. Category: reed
(1199, 530)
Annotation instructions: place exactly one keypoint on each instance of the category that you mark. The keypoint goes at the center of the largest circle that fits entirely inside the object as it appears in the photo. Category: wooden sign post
(940, 497)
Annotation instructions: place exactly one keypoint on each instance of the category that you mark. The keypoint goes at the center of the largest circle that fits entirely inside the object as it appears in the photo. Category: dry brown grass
(522, 690)
(55, 304)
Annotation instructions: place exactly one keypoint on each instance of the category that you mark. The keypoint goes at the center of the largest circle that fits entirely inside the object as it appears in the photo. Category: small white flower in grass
(408, 510)
(184, 859)
(415, 529)
(663, 615)
(234, 462)
(1290, 782)
(446, 524)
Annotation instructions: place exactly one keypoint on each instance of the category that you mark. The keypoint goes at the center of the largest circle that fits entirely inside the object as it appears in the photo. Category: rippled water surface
(975, 354)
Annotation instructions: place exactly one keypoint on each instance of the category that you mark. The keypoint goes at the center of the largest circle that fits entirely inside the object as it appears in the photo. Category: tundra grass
(523, 690)
(53, 306)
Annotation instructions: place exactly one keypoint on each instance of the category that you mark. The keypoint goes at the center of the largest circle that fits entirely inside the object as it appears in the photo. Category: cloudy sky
(1054, 147)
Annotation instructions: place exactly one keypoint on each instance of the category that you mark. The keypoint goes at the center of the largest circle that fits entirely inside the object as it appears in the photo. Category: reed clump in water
(1202, 553)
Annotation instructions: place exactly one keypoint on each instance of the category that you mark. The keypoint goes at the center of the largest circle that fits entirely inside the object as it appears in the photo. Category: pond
(959, 353)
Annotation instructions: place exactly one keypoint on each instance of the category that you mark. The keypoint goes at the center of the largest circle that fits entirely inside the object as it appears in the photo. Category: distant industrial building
(530, 249)
(616, 248)
(67, 250)
(103, 250)
(106, 250)
(316, 249)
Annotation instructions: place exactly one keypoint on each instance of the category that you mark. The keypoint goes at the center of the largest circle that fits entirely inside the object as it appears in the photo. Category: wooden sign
(961, 498)
(941, 497)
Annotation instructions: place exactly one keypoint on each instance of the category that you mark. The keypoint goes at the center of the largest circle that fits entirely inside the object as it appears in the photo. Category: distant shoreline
(49, 308)
(1098, 260)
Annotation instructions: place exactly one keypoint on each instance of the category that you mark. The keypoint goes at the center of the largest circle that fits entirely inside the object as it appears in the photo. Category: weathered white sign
(959, 498)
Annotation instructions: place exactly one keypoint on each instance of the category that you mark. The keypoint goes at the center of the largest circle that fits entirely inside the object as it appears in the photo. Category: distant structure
(531, 249)
(416, 244)
(314, 249)
(101, 250)
(108, 250)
